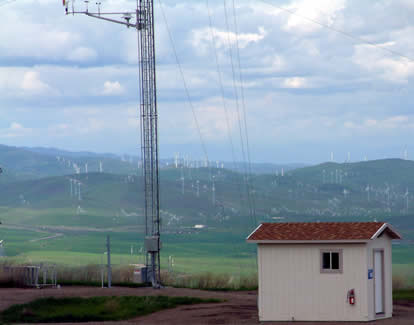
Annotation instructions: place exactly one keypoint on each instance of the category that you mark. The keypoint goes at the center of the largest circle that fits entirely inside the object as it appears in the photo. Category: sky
(71, 82)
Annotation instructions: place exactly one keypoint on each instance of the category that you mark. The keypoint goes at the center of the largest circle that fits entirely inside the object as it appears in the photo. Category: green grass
(216, 251)
(98, 309)
(210, 251)
(404, 294)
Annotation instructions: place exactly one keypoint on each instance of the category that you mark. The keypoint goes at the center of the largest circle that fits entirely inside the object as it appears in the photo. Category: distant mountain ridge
(38, 162)
(35, 163)
(59, 152)
(362, 190)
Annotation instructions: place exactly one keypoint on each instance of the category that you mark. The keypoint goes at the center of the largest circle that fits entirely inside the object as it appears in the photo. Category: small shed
(324, 271)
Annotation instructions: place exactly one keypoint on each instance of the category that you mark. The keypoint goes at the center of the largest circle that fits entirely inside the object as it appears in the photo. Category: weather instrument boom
(142, 19)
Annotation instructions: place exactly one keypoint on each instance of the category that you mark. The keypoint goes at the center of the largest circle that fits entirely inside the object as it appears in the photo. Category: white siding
(384, 242)
(291, 286)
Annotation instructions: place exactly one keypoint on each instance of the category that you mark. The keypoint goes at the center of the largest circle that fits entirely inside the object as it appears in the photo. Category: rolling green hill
(35, 209)
(375, 189)
(24, 164)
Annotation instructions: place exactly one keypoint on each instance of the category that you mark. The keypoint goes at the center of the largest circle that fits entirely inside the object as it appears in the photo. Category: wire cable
(349, 35)
(236, 94)
(250, 186)
(220, 81)
(3, 3)
(184, 81)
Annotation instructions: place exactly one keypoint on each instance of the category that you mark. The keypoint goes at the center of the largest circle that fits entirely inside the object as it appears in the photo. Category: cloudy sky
(71, 82)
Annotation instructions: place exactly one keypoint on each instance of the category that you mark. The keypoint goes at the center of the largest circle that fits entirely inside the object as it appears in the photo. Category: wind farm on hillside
(206, 162)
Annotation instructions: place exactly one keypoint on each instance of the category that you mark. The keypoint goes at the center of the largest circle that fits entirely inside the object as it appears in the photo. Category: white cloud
(295, 82)
(388, 66)
(32, 83)
(323, 11)
(345, 89)
(390, 123)
(15, 130)
(112, 88)
(201, 38)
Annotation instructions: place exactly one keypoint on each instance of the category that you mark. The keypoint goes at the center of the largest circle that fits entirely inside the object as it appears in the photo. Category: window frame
(330, 270)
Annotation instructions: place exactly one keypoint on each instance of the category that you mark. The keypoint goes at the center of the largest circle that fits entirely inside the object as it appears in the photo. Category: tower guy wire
(338, 31)
(251, 194)
(187, 93)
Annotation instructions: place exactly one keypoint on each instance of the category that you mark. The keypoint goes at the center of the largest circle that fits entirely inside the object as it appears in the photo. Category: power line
(246, 184)
(249, 185)
(252, 198)
(2, 3)
(183, 79)
(346, 34)
(220, 80)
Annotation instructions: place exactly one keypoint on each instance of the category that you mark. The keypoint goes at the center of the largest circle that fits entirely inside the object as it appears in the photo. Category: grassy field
(217, 252)
(98, 309)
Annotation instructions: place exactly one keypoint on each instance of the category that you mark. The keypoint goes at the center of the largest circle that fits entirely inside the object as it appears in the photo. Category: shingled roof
(321, 231)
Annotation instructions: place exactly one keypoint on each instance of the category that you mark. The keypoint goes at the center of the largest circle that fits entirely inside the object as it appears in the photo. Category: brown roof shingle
(316, 231)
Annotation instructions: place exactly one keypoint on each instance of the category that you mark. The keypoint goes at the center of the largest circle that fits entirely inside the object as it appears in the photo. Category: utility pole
(142, 20)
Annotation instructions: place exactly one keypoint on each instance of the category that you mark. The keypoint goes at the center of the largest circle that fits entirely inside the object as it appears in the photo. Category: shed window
(331, 261)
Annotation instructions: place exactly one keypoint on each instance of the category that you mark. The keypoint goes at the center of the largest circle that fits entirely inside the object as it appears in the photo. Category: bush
(402, 281)
(210, 281)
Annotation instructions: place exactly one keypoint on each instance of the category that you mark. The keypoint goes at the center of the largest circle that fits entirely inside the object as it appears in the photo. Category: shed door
(379, 281)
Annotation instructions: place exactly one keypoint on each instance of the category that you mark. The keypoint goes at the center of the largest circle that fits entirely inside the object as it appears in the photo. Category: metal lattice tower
(149, 136)
(144, 25)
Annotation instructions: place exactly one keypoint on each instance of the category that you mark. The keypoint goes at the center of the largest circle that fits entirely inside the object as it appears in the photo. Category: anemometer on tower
(142, 19)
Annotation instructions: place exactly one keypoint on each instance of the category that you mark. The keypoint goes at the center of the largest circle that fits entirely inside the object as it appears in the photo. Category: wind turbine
(75, 187)
(176, 156)
(71, 187)
(182, 179)
(213, 189)
(198, 188)
(346, 192)
(387, 193)
(79, 192)
(406, 196)
(367, 189)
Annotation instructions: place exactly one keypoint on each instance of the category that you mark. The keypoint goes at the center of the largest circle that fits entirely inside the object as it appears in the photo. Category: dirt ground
(237, 308)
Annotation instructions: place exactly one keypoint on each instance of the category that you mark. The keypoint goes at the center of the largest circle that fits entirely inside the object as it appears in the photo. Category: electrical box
(140, 274)
(152, 244)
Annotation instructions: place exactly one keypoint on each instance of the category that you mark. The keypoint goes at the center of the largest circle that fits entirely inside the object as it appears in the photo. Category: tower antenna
(142, 20)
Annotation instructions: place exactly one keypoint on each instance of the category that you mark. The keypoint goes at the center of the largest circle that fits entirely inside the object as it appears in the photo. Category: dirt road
(237, 308)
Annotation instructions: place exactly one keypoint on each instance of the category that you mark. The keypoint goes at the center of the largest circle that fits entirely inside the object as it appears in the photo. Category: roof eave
(336, 241)
(257, 228)
(383, 228)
